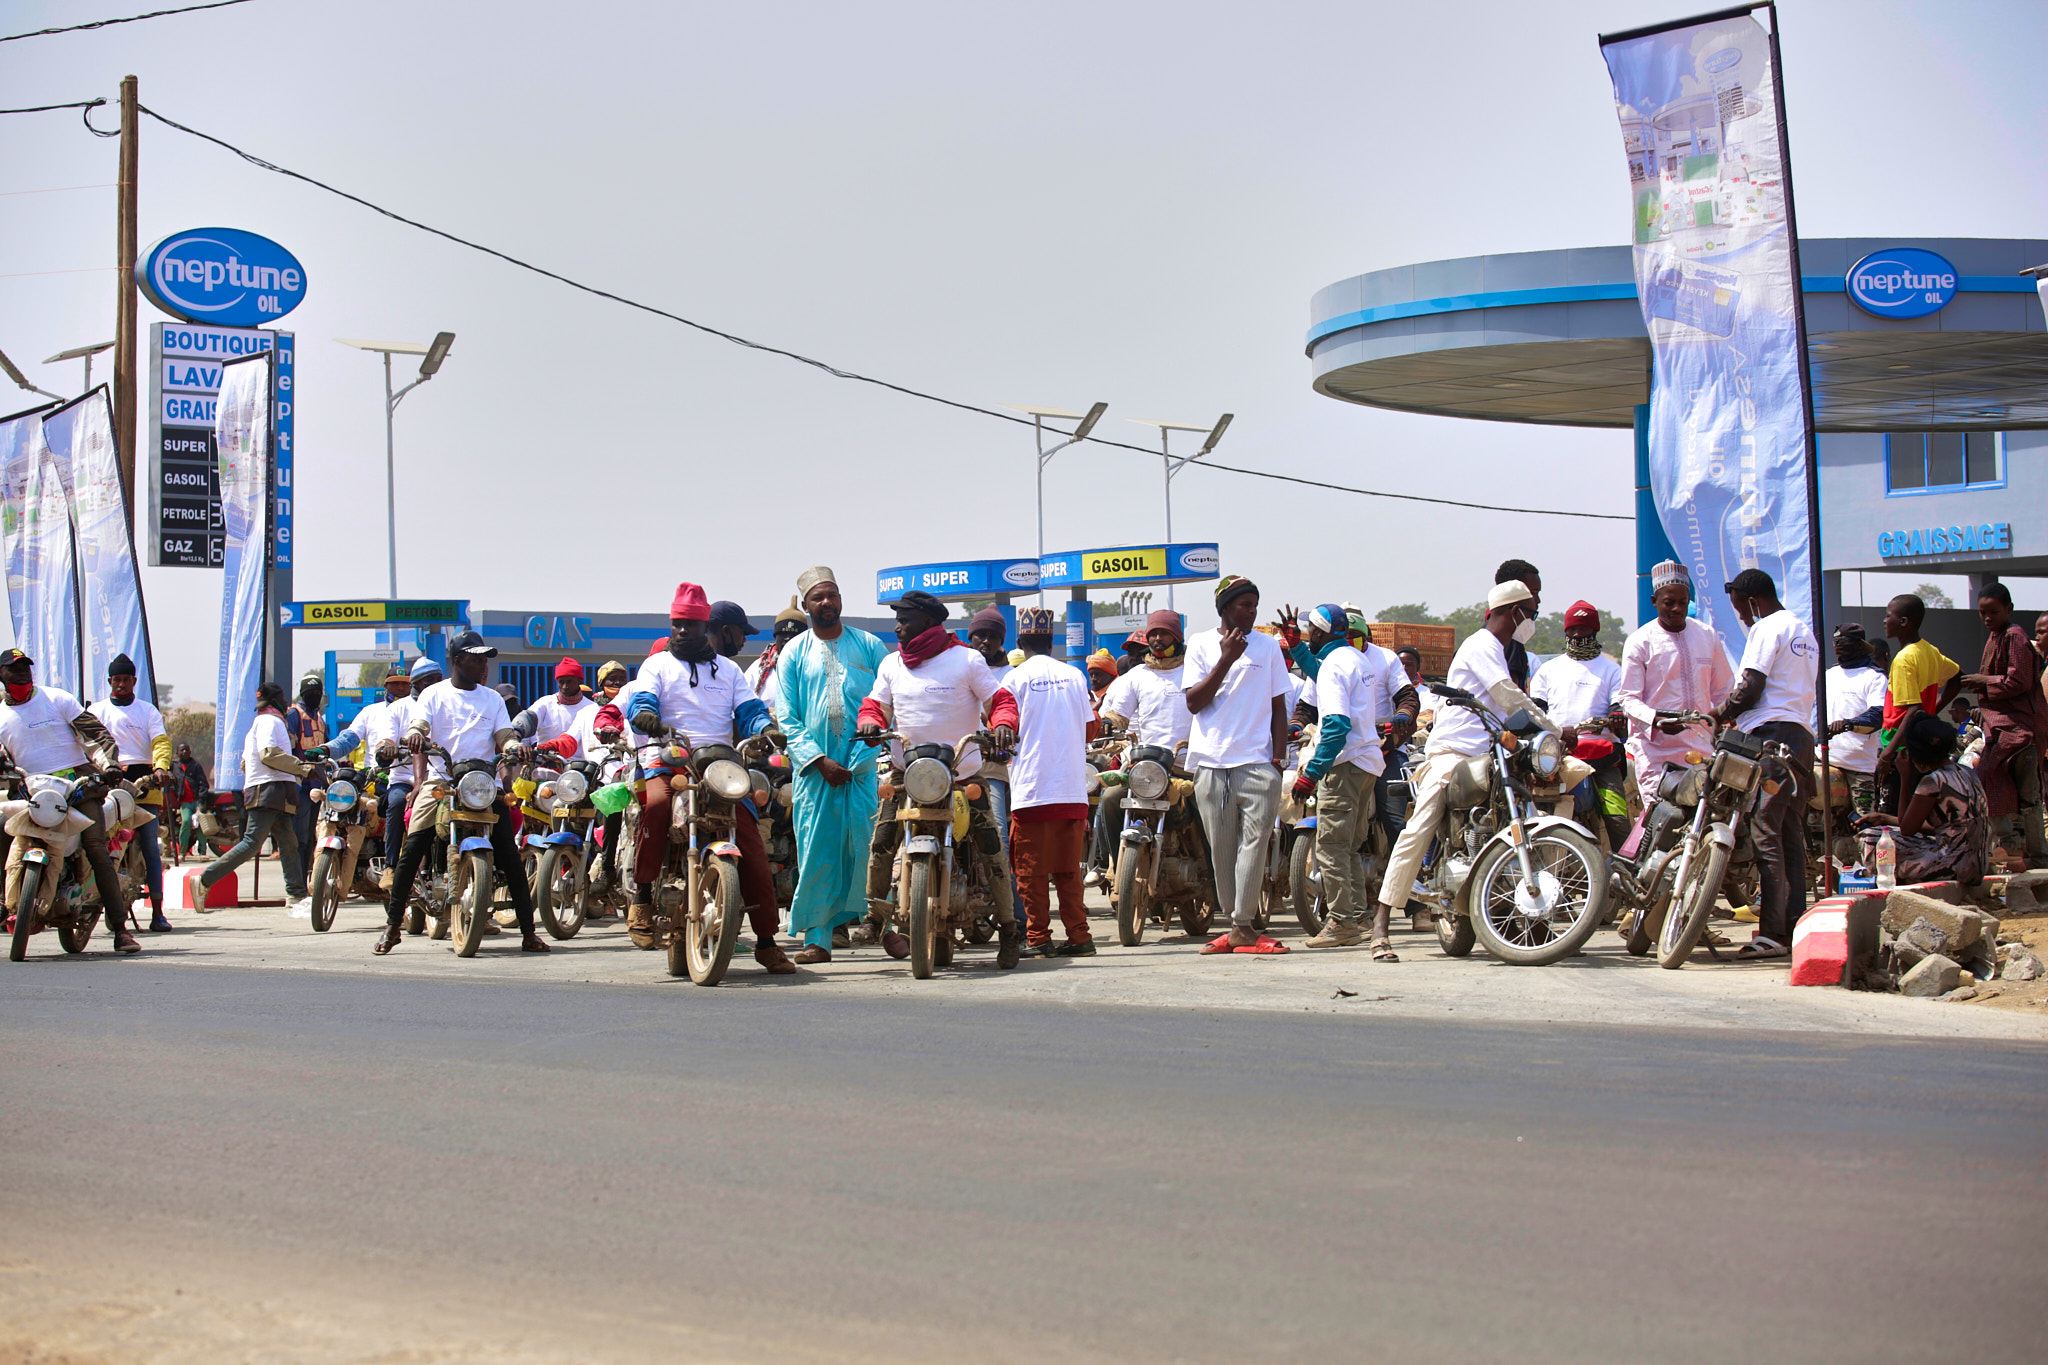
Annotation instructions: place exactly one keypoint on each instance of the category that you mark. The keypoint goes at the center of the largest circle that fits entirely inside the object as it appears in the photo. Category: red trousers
(1043, 851)
(757, 879)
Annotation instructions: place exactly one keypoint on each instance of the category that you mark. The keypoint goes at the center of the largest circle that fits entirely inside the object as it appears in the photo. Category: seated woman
(1945, 831)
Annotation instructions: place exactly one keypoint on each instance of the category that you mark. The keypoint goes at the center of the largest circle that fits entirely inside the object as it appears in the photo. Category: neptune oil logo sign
(224, 276)
(1904, 282)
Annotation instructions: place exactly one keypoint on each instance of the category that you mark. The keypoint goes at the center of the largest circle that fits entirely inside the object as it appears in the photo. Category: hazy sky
(1045, 204)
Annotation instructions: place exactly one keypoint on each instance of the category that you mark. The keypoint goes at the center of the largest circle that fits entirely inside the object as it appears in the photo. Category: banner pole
(1818, 579)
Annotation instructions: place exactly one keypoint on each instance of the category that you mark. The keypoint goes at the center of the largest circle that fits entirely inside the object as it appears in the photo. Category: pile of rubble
(1938, 940)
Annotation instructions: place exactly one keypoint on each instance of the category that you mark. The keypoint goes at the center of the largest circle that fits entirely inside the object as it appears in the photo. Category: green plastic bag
(613, 799)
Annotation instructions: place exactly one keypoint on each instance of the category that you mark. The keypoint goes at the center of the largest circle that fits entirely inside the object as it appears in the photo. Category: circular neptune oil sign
(1903, 282)
(224, 276)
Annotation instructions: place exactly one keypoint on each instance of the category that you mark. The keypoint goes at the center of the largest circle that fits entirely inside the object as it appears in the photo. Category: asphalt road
(603, 1173)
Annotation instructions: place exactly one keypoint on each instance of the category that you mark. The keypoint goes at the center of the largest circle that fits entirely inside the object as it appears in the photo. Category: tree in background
(1934, 597)
(191, 722)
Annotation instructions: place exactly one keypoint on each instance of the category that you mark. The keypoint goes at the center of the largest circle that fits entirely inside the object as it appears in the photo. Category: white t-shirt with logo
(1480, 664)
(1152, 700)
(133, 727)
(1851, 692)
(1236, 727)
(1782, 649)
(703, 711)
(38, 732)
(937, 702)
(1050, 767)
(462, 722)
(266, 731)
(1576, 690)
(552, 720)
(1352, 683)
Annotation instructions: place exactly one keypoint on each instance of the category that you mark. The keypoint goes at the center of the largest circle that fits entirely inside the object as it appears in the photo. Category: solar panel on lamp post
(1086, 423)
(1174, 466)
(431, 354)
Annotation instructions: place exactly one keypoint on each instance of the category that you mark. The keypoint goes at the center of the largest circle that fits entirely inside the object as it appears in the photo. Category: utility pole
(125, 249)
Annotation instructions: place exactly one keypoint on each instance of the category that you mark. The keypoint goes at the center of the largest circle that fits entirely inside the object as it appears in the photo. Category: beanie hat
(568, 668)
(690, 604)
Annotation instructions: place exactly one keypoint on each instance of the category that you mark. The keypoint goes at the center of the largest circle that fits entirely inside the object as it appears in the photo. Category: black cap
(1851, 630)
(918, 600)
(14, 656)
(731, 614)
(122, 667)
(469, 642)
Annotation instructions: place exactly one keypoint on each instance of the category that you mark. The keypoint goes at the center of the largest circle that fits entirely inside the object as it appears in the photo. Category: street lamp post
(1087, 423)
(432, 354)
(1174, 466)
(85, 353)
(13, 372)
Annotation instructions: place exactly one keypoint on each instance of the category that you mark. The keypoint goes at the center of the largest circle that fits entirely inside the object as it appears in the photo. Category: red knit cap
(568, 668)
(690, 605)
(1581, 616)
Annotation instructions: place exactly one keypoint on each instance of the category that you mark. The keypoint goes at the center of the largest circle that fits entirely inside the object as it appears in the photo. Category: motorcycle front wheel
(473, 905)
(324, 894)
(1535, 926)
(711, 925)
(1132, 898)
(1304, 888)
(559, 891)
(73, 937)
(25, 910)
(917, 875)
(1691, 906)
(1648, 923)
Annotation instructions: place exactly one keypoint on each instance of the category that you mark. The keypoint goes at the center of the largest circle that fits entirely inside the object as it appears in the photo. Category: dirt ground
(2031, 930)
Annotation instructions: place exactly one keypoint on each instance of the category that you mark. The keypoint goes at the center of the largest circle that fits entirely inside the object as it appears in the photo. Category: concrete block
(1934, 976)
(1960, 926)
(2026, 891)
(1820, 944)
(225, 894)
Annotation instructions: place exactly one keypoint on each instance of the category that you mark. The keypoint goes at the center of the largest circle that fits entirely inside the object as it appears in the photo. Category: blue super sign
(221, 275)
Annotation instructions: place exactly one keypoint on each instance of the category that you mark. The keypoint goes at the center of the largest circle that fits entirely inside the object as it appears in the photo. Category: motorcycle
(774, 798)
(558, 820)
(1162, 859)
(1531, 886)
(1722, 794)
(220, 820)
(1305, 878)
(457, 895)
(347, 802)
(697, 902)
(932, 886)
(55, 887)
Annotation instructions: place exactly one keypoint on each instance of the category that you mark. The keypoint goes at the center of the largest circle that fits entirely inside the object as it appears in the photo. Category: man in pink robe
(1673, 663)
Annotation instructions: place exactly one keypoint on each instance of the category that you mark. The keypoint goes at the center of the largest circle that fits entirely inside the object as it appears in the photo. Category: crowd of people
(1306, 706)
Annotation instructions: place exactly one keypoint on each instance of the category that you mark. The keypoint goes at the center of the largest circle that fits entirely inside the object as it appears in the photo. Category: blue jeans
(395, 797)
(999, 806)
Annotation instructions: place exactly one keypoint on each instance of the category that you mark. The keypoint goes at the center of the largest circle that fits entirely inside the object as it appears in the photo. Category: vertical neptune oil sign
(1713, 255)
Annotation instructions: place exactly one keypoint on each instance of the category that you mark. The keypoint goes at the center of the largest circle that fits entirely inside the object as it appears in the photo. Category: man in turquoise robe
(822, 677)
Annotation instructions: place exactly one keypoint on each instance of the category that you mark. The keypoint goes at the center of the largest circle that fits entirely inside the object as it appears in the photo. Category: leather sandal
(895, 944)
(533, 943)
(391, 938)
(810, 955)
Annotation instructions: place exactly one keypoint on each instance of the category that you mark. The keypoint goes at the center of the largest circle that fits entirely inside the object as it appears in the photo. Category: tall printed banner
(243, 451)
(21, 445)
(80, 436)
(1714, 274)
(49, 578)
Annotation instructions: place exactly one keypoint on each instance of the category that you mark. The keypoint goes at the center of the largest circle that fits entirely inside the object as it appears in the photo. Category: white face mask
(1526, 631)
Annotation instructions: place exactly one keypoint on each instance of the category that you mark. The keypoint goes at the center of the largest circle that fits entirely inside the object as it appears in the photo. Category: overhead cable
(109, 23)
(830, 369)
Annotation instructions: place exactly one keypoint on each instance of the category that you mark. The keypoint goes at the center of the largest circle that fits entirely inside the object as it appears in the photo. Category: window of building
(1942, 461)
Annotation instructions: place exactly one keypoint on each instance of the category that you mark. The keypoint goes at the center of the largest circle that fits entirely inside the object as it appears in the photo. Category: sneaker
(301, 908)
(158, 924)
(1045, 949)
(1338, 933)
(1085, 948)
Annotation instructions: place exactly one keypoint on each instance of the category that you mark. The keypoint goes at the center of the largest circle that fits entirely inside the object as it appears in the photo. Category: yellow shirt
(1918, 671)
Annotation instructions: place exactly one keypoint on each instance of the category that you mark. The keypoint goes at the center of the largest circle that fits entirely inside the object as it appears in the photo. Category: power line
(801, 359)
(108, 23)
(45, 108)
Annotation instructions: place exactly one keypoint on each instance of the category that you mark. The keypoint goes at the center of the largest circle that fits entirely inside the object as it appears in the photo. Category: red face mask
(20, 692)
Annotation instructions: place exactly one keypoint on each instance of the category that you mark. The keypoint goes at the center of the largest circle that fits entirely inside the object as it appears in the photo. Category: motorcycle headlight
(1148, 780)
(927, 782)
(758, 791)
(119, 807)
(1733, 770)
(1094, 782)
(727, 779)
(48, 808)
(476, 791)
(570, 789)
(785, 795)
(341, 795)
(1546, 755)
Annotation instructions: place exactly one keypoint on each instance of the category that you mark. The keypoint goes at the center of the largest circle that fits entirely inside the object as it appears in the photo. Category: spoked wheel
(76, 935)
(918, 893)
(981, 930)
(473, 904)
(560, 890)
(1304, 884)
(25, 910)
(1197, 915)
(1692, 904)
(324, 891)
(1133, 894)
(1534, 925)
(711, 924)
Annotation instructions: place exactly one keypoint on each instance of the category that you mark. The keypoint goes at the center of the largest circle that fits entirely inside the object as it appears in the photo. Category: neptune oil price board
(220, 281)
(959, 579)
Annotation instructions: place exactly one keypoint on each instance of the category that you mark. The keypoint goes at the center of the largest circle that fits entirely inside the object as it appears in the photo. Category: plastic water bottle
(1887, 861)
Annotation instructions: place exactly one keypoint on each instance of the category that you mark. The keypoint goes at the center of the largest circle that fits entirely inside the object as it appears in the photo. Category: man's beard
(825, 616)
